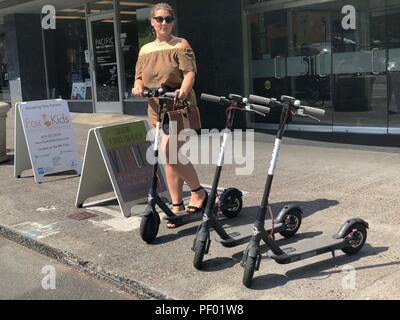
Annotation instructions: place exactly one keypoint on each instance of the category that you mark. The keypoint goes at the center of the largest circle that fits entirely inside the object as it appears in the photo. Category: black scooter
(287, 222)
(351, 236)
(230, 199)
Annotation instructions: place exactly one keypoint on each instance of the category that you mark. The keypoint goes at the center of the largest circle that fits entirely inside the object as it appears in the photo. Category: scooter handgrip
(259, 108)
(316, 112)
(259, 99)
(170, 94)
(210, 98)
(220, 100)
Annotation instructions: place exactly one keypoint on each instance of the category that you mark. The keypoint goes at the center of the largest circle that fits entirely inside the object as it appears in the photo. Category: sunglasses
(168, 19)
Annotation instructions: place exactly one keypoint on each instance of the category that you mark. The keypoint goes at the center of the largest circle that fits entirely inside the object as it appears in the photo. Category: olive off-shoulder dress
(165, 68)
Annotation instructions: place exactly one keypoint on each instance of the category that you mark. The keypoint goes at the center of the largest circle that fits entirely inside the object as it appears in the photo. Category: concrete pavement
(28, 275)
(330, 181)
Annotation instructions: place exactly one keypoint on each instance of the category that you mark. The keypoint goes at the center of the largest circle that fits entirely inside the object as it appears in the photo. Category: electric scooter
(351, 236)
(287, 222)
(230, 198)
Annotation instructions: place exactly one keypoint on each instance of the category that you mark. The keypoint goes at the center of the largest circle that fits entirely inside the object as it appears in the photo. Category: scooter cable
(271, 234)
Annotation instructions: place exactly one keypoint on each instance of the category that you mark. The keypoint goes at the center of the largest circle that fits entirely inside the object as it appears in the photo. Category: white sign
(44, 139)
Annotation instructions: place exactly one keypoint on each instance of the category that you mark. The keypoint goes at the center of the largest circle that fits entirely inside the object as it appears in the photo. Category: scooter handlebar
(265, 101)
(259, 99)
(258, 108)
(315, 112)
(214, 99)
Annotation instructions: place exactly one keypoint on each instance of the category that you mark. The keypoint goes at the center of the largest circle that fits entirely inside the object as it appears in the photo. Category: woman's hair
(161, 6)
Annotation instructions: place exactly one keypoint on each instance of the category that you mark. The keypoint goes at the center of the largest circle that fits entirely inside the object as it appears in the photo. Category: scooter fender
(253, 251)
(285, 210)
(347, 226)
(203, 233)
(149, 211)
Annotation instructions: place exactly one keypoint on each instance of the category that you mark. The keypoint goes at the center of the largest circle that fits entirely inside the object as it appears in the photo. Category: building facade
(339, 55)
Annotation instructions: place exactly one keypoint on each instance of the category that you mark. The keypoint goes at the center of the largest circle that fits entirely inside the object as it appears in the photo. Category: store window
(4, 83)
(135, 32)
(67, 56)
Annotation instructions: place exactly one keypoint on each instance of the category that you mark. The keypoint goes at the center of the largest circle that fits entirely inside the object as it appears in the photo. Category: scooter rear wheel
(292, 222)
(249, 268)
(149, 225)
(199, 252)
(232, 202)
(359, 236)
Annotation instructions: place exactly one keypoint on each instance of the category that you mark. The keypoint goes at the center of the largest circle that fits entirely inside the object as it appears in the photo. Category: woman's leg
(177, 172)
(174, 180)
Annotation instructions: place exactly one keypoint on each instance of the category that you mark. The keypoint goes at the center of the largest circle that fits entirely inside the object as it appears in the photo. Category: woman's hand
(137, 91)
(180, 95)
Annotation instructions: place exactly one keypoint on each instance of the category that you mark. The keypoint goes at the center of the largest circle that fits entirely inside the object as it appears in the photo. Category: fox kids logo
(47, 121)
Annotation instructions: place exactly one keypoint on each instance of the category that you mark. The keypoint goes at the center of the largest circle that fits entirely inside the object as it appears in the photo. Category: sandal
(173, 225)
(194, 209)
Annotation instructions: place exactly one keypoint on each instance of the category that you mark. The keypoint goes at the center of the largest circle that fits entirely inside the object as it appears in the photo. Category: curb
(131, 286)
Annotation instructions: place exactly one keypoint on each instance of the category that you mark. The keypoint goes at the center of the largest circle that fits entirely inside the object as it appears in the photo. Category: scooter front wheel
(357, 237)
(292, 222)
(199, 251)
(149, 225)
(249, 268)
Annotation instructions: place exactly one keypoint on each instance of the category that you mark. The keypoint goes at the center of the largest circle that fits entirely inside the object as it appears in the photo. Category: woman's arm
(188, 76)
(187, 84)
(138, 86)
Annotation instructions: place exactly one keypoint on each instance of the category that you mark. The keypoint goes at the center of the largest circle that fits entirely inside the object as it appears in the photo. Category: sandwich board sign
(44, 140)
(117, 159)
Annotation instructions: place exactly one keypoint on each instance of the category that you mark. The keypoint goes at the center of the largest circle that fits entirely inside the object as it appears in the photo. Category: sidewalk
(331, 183)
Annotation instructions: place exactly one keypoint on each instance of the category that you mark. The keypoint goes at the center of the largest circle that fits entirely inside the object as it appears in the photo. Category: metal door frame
(117, 106)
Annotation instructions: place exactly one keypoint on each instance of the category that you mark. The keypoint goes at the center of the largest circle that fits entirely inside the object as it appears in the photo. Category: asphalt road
(26, 275)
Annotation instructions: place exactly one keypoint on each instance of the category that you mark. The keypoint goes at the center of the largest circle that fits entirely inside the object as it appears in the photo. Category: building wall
(25, 55)
(214, 30)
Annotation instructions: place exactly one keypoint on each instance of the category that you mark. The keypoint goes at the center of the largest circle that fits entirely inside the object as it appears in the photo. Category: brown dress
(165, 68)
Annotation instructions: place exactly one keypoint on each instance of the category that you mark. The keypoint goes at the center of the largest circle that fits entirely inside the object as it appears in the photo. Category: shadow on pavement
(269, 281)
(216, 264)
(248, 216)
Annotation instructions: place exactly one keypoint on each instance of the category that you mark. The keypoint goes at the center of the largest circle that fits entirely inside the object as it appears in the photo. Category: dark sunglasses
(168, 19)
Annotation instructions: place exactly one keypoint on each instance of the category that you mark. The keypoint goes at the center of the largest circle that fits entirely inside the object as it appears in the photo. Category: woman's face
(162, 28)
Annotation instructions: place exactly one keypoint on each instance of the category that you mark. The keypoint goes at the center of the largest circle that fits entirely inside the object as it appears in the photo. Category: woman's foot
(198, 200)
(176, 208)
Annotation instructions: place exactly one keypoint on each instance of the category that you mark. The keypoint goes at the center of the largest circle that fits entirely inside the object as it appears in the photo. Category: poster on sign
(44, 139)
(118, 158)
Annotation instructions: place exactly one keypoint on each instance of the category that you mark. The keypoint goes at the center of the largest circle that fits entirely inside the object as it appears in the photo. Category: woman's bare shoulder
(148, 47)
(182, 43)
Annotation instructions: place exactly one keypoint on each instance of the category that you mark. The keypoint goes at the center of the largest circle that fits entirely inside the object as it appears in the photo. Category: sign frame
(98, 176)
(23, 152)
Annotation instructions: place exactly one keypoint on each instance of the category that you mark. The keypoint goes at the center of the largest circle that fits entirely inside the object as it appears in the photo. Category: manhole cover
(82, 215)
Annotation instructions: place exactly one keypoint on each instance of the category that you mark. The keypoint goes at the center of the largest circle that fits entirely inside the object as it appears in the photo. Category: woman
(170, 61)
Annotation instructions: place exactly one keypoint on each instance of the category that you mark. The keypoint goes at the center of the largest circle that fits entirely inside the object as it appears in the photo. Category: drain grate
(82, 215)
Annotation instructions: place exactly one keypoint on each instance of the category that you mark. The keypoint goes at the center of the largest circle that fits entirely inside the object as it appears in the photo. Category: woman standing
(170, 61)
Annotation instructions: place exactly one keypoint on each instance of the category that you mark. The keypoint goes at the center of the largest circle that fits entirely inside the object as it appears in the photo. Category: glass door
(105, 64)
(393, 38)
(309, 63)
(359, 67)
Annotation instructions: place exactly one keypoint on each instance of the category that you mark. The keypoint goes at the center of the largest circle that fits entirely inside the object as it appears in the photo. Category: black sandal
(194, 209)
(173, 225)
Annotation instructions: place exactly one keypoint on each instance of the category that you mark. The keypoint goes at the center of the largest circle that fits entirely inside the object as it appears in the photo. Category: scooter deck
(236, 238)
(184, 217)
(307, 248)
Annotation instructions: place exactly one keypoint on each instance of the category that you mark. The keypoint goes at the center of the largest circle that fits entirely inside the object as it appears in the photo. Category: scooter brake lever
(308, 116)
